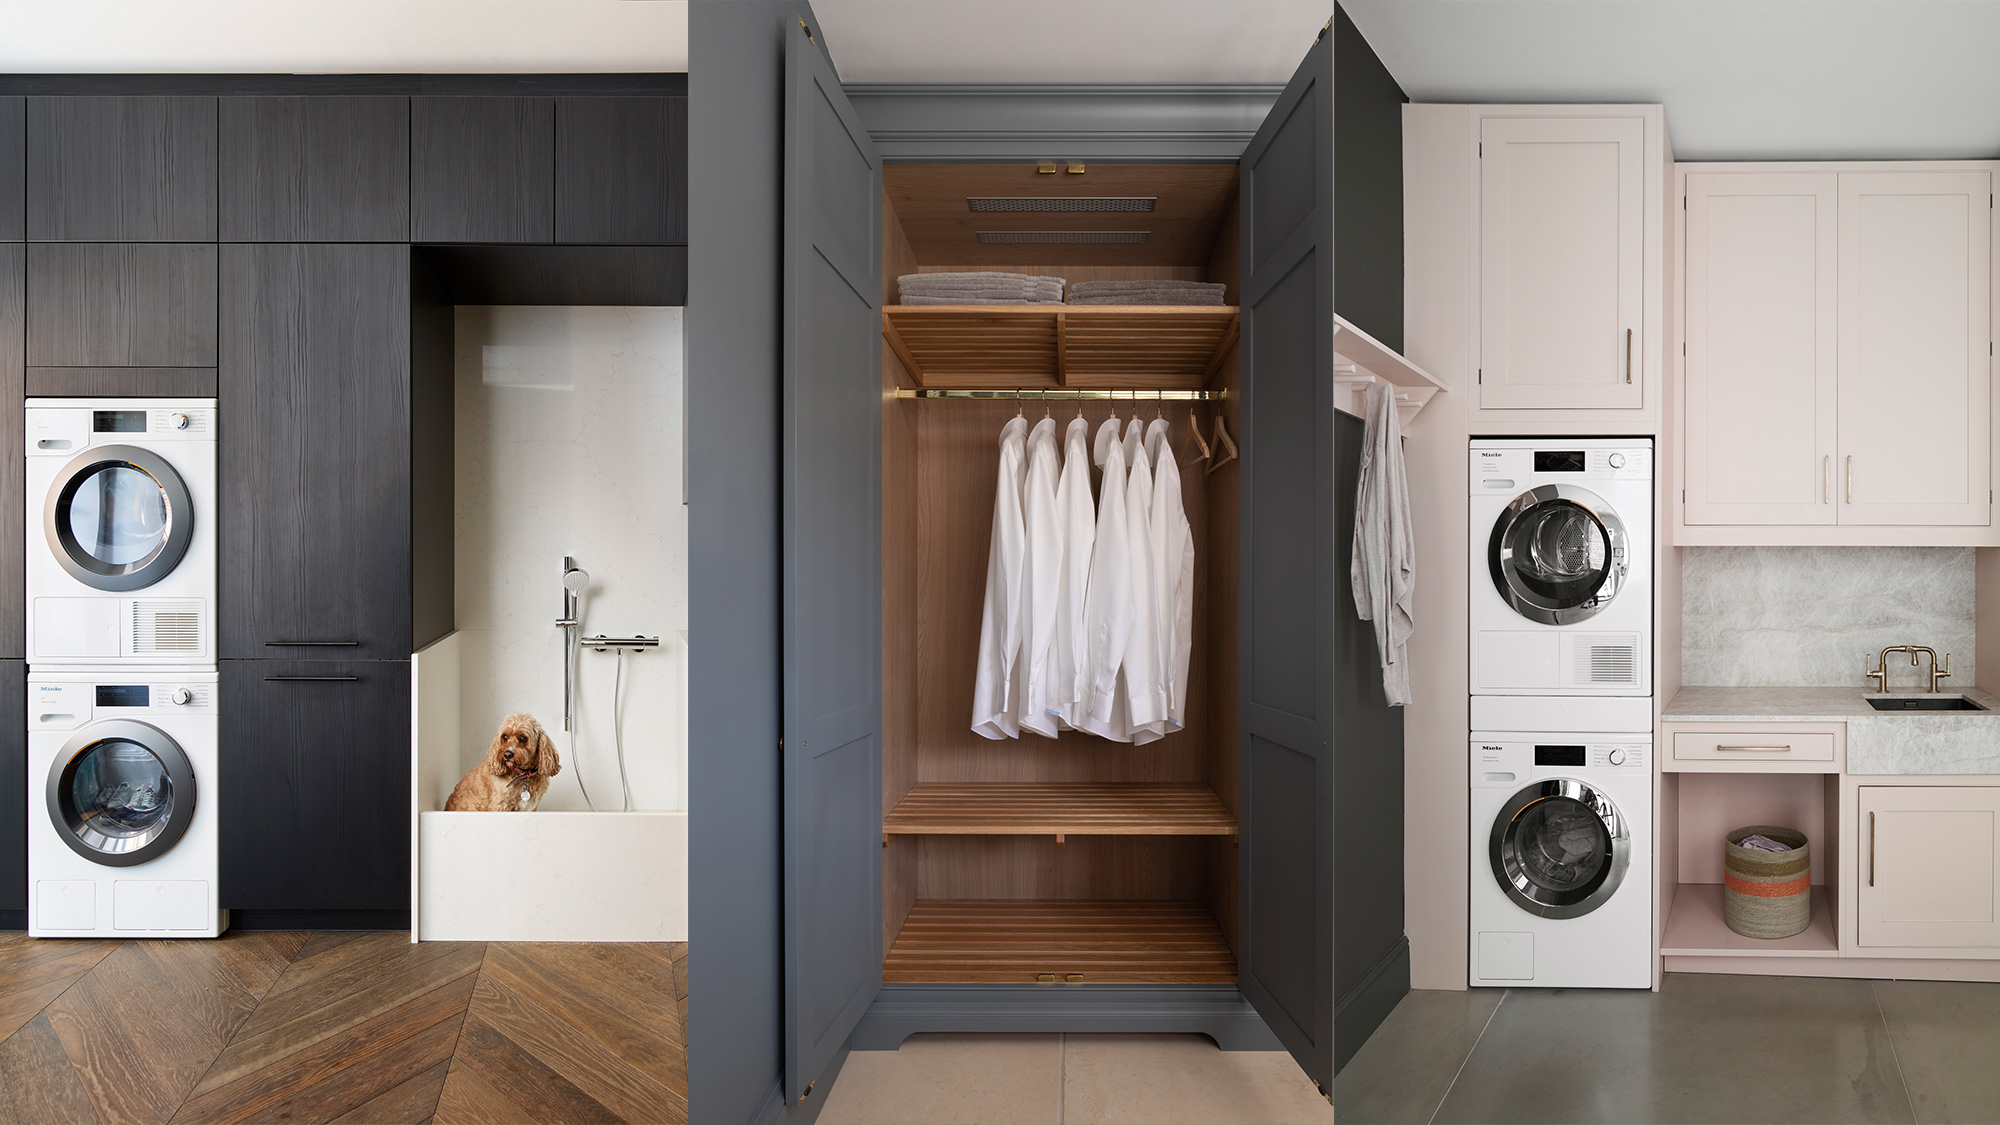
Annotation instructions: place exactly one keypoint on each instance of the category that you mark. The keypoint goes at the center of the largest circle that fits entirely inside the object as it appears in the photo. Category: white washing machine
(1561, 599)
(122, 804)
(120, 538)
(1562, 861)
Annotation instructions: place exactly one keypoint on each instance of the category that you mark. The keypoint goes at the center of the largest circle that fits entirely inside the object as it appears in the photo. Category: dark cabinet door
(482, 169)
(314, 169)
(13, 169)
(121, 304)
(14, 810)
(621, 170)
(13, 440)
(121, 169)
(315, 784)
(314, 382)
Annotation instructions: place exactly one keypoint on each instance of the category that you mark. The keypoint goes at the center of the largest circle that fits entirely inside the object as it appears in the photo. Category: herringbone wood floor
(350, 1027)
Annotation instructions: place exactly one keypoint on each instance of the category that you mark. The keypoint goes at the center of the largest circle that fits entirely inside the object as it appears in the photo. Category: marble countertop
(1878, 742)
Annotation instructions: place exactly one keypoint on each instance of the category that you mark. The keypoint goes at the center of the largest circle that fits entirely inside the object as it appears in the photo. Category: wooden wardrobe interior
(991, 873)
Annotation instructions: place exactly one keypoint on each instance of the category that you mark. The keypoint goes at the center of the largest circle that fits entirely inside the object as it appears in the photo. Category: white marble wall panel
(568, 877)
(1806, 615)
(569, 443)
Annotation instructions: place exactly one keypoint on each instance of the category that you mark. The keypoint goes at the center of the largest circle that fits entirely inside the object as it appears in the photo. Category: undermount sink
(1922, 703)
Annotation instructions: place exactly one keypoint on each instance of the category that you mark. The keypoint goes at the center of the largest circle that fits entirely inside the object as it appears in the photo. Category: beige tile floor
(1071, 1080)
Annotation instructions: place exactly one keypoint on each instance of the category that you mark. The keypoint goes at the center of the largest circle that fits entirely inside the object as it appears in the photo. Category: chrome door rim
(180, 771)
(127, 576)
(1540, 609)
(1506, 864)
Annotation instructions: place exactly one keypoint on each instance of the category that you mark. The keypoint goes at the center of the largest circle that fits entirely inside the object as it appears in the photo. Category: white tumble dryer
(1562, 860)
(120, 532)
(1561, 597)
(122, 804)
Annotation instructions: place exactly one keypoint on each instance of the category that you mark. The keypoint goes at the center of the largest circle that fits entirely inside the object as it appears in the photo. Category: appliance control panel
(1552, 464)
(64, 427)
(1503, 761)
(66, 706)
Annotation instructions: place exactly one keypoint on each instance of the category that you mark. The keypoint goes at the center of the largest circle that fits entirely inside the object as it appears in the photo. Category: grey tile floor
(1703, 1049)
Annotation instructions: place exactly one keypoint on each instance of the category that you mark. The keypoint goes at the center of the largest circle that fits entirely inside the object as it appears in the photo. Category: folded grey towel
(996, 286)
(1160, 291)
(927, 299)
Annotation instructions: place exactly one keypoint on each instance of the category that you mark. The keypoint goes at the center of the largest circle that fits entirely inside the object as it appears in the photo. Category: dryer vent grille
(1607, 663)
(1022, 204)
(166, 627)
(1063, 236)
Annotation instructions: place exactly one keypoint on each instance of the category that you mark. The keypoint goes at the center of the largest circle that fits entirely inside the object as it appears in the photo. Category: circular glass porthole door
(1560, 848)
(121, 793)
(1558, 554)
(118, 518)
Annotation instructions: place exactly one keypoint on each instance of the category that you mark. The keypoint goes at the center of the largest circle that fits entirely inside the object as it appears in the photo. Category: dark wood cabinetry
(121, 169)
(621, 170)
(314, 781)
(314, 383)
(482, 169)
(13, 169)
(14, 810)
(121, 304)
(13, 438)
(314, 169)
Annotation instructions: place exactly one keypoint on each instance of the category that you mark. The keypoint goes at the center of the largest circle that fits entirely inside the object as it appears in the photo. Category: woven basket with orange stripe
(1767, 894)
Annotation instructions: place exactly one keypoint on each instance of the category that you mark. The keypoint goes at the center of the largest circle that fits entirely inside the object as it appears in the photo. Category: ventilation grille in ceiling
(1022, 204)
(1063, 236)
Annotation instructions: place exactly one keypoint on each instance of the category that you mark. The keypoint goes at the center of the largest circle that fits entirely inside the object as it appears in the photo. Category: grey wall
(736, 981)
(1804, 616)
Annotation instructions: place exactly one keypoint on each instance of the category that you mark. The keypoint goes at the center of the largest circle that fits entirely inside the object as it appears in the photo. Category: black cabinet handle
(310, 679)
(311, 644)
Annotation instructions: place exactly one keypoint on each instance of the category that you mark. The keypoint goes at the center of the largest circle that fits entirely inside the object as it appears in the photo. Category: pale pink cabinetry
(1915, 351)
(1836, 377)
(1562, 237)
(1930, 867)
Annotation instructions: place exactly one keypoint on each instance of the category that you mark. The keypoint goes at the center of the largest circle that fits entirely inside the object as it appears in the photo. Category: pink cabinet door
(1762, 256)
(1930, 866)
(1915, 363)
(1562, 205)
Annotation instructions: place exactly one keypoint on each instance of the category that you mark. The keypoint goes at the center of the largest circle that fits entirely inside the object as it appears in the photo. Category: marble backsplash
(1804, 616)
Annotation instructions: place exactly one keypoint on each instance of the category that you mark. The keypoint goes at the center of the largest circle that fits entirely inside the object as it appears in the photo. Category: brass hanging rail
(1064, 394)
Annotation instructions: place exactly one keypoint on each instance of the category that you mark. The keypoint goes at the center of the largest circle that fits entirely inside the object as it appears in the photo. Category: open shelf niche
(1698, 809)
(1072, 860)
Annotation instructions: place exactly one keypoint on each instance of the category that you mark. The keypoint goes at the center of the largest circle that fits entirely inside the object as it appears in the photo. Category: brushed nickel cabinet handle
(1850, 478)
(1871, 849)
(1826, 481)
(1628, 355)
(1758, 749)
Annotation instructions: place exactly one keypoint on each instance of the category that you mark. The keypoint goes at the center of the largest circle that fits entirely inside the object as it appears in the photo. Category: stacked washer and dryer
(122, 731)
(1560, 764)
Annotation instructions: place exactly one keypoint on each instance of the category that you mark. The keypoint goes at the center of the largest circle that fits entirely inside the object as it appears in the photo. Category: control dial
(180, 421)
(182, 697)
(1616, 757)
(1616, 460)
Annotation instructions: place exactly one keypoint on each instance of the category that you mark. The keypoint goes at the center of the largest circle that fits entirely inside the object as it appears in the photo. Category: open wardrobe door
(832, 565)
(1285, 954)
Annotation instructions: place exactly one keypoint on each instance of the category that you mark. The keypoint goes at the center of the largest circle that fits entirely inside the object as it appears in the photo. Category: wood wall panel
(899, 609)
(1086, 867)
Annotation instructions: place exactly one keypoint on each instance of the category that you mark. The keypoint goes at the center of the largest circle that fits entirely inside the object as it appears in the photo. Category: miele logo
(1492, 749)
(1484, 454)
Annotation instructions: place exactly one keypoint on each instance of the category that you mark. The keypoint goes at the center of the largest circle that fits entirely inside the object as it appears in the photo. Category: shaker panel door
(1930, 866)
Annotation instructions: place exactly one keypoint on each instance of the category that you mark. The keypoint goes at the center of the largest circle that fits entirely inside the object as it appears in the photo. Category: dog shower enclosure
(568, 465)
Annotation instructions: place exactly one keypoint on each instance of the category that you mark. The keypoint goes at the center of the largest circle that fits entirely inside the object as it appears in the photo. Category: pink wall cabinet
(1562, 238)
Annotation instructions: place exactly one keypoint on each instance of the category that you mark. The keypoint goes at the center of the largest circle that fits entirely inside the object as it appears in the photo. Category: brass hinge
(814, 42)
(809, 1085)
(1324, 30)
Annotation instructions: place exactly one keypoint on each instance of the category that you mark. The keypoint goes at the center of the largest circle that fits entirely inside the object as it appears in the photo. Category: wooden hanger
(1222, 442)
(1194, 423)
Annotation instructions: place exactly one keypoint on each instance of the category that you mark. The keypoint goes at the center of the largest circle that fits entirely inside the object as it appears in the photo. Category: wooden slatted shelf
(1015, 941)
(1059, 809)
(1172, 347)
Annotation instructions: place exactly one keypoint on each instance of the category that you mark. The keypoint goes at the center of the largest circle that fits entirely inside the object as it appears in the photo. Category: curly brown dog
(515, 772)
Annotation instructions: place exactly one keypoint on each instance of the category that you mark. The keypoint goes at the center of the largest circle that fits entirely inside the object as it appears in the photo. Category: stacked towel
(1153, 292)
(979, 289)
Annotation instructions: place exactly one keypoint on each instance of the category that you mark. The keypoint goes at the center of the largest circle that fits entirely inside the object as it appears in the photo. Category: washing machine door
(1560, 848)
(118, 517)
(121, 793)
(1558, 554)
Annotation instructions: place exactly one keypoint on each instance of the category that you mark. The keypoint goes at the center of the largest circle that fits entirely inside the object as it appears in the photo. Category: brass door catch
(1046, 169)
(1076, 169)
(1074, 978)
(1045, 978)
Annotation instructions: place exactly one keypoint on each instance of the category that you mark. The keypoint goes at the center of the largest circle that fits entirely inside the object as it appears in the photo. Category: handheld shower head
(575, 579)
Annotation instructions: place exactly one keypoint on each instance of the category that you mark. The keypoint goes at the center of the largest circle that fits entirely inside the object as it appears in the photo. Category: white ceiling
(342, 36)
(1741, 79)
